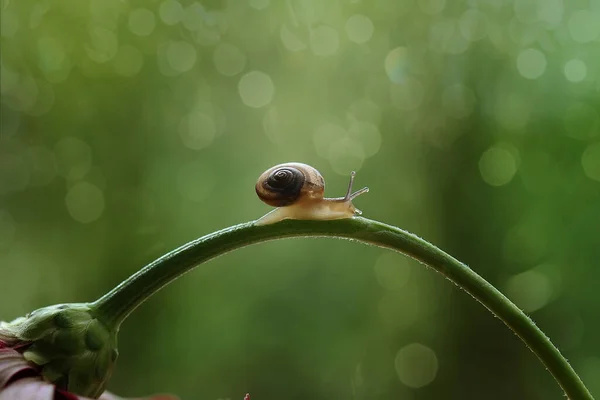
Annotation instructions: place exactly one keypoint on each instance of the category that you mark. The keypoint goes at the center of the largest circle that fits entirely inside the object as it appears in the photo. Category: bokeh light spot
(207, 36)
(197, 130)
(473, 24)
(164, 65)
(212, 18)
(525, 10)
(96, 177)
(325, 135)
(392, 271)
(324, 41)
(416, 365)
(256, 89)
(128, 61)
(170, 12)
(192, 17)
(346, 155)
(575, 70)
(407, 96)
(526, 242)
(142, 22)
(590, 160)
(290, 40)
(196, 180)
(51, 53)
(550, 11)
(365, 110)
(74, 158)
(531, 63)
(584, 26)
(396, 63)
(523, 34)
(228, 59)
(85, 202)
(401, 309)
(359, 28)
(8, 229)
(60, 74)
(181, 56)
(102, 45)
(272, 126)
(367, 134)
(458, 101)
(530, 290)
(497, 166)
(445, 37)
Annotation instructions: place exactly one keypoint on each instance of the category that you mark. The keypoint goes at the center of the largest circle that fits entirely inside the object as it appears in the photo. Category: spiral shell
(285, 184)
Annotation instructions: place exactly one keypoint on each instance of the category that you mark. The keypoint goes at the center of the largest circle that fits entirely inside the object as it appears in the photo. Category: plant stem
(117, 304)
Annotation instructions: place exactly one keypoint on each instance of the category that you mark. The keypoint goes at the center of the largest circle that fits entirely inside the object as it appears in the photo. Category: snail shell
(284, 184)
(297, 191)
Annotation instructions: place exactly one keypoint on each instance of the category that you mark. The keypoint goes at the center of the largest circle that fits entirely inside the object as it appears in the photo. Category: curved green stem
(116, 305)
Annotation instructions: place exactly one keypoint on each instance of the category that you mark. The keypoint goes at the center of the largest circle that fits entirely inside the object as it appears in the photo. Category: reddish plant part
(22, 379)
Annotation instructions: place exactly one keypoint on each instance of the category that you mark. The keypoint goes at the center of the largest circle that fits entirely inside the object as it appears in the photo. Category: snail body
(297, 190)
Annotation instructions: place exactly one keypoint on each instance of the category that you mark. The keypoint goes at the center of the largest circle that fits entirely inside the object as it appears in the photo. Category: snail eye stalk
(351, 196)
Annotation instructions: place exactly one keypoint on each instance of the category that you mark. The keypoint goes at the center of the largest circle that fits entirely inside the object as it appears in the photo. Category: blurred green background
(130, 127)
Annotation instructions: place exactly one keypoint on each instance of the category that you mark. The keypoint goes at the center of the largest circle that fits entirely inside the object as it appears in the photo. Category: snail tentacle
(358, 193)
(351, 196)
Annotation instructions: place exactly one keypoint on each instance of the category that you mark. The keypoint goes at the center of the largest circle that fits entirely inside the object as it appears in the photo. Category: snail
(297, 190)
